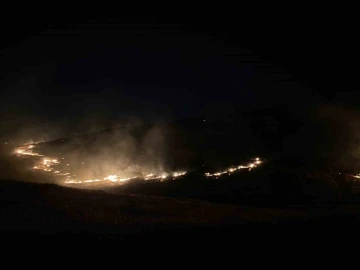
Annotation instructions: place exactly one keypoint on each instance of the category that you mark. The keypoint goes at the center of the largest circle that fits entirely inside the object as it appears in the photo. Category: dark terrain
(45, 212)
(288, 196)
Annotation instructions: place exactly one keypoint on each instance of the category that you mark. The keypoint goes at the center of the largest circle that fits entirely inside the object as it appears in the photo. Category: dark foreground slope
(47, 212)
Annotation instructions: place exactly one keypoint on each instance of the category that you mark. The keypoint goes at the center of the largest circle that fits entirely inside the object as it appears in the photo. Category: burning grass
(63, 170)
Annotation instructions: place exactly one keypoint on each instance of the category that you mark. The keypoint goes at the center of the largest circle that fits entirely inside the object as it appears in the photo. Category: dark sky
(71, 68)
(138, 68)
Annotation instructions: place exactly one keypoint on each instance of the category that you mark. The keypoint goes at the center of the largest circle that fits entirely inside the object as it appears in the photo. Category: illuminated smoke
(55, 167)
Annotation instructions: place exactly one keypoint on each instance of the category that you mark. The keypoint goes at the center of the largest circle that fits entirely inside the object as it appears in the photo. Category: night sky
(85, 71)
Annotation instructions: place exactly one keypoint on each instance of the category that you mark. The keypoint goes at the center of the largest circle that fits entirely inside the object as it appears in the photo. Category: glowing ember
(112, 178)
(26, 150)
(54, 166)
(47, 165)
(234, 169)
(153, 176)
(178, 174)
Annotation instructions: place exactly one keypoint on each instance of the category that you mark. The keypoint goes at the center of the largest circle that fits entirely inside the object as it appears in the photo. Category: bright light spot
(111, 177)
(178, 174)
(91, 181)
(26, 150)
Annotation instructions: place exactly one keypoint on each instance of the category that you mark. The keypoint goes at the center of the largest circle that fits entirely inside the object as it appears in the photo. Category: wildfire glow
(47, 165)
(26, 150)
(178, 174)
(54, 166)
(231, 170)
